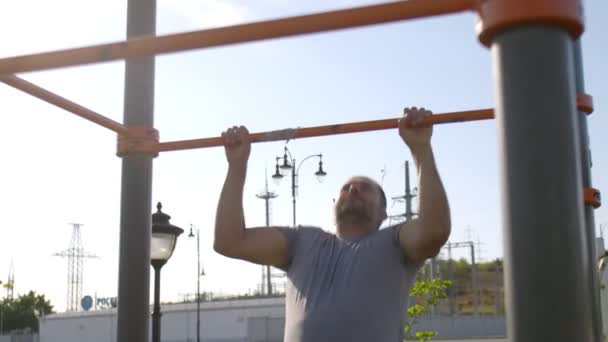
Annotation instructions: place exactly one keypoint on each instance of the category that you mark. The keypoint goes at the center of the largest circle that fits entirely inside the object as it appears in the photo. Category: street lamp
(164, 238)
(199, 272)
(289, 163)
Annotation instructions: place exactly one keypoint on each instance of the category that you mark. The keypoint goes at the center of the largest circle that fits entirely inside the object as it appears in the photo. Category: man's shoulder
(301, 240)
(313, 230)
(392, 234)
(389, 233)
(305, 230)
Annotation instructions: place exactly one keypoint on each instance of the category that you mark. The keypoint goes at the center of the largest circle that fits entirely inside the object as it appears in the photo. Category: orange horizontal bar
(312, 23)
(308, 132)
(363, 126)
(63, 103)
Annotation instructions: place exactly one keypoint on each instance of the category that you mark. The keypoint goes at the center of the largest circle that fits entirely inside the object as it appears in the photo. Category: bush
(428, 293)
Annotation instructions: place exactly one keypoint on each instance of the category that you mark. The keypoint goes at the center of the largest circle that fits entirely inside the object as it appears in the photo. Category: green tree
(8, 285)
(427, 293)
(23, 312)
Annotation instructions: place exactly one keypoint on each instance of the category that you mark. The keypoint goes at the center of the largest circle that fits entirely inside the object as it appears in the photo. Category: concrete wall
(265, 329)
(465, 326)
(96, 326)
(221, 321)
(229, 321)
(18, 338)
(254, 320)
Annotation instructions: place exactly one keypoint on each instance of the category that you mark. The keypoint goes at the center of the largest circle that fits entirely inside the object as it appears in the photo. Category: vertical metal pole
(198, 287)
(547, 266)
(434, 272)
(136, 186)
(451, 278)
(588, 209)
(268, 270)
(475, 280)
(497, 294)
(263, 282)
(293, 190)
(268, 280)
(156, 314)
(408, 193)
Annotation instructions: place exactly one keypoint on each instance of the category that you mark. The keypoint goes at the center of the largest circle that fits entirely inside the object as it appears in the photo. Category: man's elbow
(221, 247)
(437, 239)
(226, 246)
(435, 247)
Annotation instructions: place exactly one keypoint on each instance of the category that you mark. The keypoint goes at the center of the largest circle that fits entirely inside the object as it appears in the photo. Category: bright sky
(60, 169)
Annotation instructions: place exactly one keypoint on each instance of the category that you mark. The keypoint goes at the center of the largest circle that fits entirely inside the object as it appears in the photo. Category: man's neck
(350, 230)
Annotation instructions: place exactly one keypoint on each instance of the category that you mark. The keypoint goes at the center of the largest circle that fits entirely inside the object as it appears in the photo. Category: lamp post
(289, 163)
(199, 272)
(164, 238)
(1, 316)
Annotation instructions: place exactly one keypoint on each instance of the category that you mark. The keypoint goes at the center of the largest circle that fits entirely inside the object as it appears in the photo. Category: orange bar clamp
(312, 23)
(592, 197)
(584, 103)
(496, 16)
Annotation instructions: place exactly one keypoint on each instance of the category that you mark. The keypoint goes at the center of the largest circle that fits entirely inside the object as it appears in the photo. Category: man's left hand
(413, 130)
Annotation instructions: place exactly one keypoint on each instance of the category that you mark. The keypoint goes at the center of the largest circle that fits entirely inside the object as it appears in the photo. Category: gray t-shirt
(346, 290)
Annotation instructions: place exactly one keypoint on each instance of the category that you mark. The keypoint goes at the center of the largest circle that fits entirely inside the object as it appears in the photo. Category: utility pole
(475, 279)
(76, 255)
(451, 278)
(408, 194)
(267, 196)
(10, 285)
(199, 272)
(406, 197)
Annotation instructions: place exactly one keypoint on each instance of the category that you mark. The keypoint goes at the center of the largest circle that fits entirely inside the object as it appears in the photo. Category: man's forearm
(229, 220)
(434, 212)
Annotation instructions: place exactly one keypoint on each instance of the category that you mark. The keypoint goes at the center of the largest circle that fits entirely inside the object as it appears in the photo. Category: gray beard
(352, 215)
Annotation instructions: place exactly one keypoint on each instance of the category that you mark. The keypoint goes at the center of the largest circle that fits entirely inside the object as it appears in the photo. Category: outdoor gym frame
(548, 224)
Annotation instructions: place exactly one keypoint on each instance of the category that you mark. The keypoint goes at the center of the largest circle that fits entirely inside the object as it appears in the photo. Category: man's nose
(353, 189)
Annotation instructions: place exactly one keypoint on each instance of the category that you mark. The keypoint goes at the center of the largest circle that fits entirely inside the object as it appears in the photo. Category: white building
(245, 320)
(223, 321)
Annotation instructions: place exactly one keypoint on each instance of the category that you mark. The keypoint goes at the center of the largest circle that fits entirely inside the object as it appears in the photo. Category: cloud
(208, 13)
(35, 26)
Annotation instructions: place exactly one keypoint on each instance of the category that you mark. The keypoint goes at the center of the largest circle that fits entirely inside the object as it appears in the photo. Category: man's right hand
(237, 145)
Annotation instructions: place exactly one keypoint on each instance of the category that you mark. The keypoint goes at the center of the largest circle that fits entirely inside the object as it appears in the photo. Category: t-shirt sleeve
(395, 240)
(291, 234)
